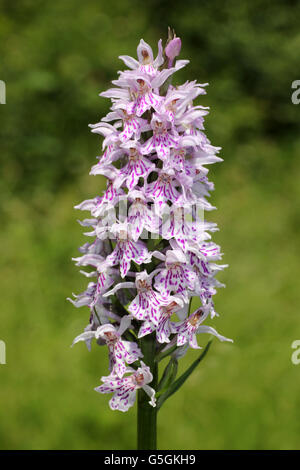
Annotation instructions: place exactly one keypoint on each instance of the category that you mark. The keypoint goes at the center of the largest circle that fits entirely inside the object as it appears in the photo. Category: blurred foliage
(55, 59)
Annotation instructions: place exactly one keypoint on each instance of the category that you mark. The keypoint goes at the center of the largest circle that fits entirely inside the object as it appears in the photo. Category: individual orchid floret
(177, 226)
(121, 352)
(108, 131)
(191, 120)
(144, 98)
(124, 389)
(93, 295)
(200, 261)
(90, 297)
(132, 124)
(99, 205)
(188, 329)
(104, 273)
(179, 155)
(206, 285)
(146, 305)
(136, 167)
(163, 190)
(136, 89)
(96, 247)
(145, 63)
(162, 140)
(163, 326)
(126, 249)
(178, 100)
(99, 315)
(140, 216)
(111, 138)
(176, 277)
(200, 258)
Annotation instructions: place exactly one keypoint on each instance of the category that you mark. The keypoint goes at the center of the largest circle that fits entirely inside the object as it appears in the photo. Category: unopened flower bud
(172, 50)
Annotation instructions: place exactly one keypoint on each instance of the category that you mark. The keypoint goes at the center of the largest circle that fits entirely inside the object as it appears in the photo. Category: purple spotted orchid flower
(125, 388)
(188, 329)
(153, 261)
(120, 352)
(163, 325)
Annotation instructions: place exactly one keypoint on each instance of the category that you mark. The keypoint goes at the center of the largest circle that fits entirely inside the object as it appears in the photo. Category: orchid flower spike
(152, 260)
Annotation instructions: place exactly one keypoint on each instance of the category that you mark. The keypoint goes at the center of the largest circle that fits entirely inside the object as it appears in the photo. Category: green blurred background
(55, 59)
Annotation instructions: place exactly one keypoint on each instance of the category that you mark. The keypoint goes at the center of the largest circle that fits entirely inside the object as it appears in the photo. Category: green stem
(147, 414)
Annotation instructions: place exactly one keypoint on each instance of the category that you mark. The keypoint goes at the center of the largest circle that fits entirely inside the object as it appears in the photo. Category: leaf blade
(180, 381)
(168, 376)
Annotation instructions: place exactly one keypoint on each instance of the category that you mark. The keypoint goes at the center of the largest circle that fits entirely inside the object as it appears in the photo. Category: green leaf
(153, 243)
(168, 376)
(130, 335)
(121, 309)
(162, 355)
(179, 382)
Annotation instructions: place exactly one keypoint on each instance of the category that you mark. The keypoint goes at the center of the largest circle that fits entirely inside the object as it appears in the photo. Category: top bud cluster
(154, 158)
